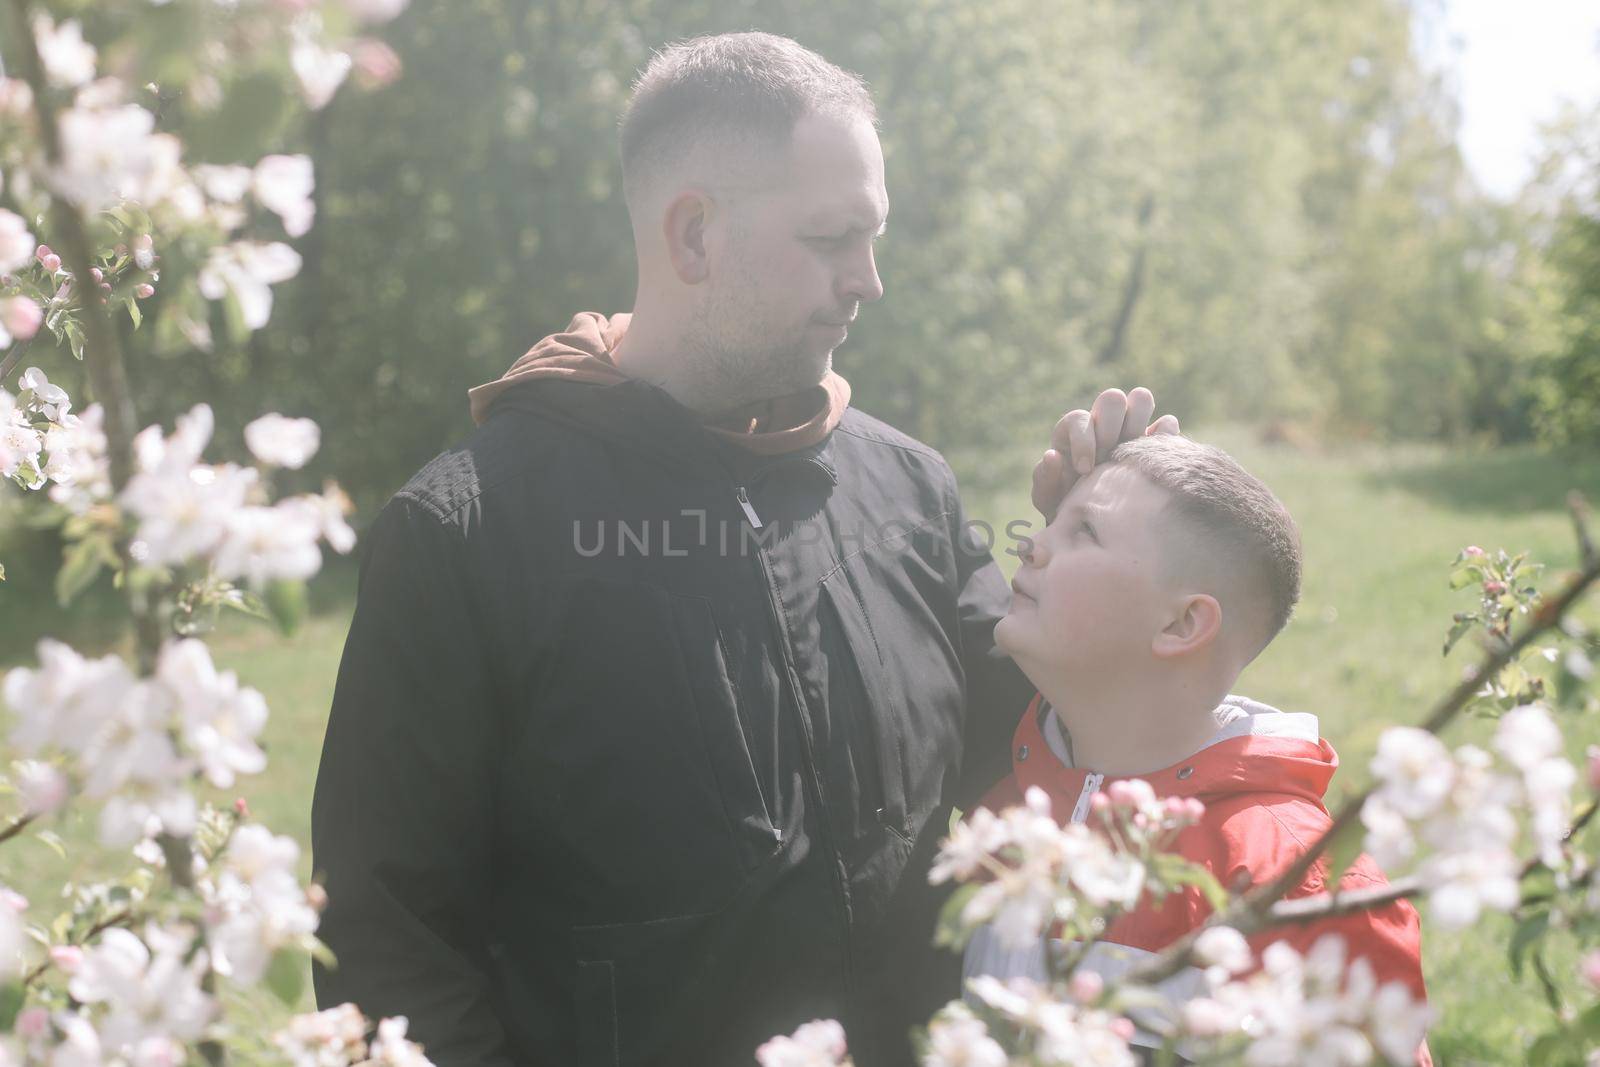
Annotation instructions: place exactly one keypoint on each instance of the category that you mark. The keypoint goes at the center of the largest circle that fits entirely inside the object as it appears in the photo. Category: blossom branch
(1254, 910)
(1579, 508)
(17, 826)
(103, 349)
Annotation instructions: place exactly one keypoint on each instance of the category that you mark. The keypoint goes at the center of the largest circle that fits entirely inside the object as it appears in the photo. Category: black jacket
(615, 776)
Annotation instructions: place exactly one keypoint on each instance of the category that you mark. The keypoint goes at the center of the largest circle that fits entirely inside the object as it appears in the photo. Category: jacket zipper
(791, 682)
(749, 508)
(1091, 786)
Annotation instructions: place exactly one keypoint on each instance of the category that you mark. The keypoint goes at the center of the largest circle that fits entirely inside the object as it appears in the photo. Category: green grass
(1380, 526)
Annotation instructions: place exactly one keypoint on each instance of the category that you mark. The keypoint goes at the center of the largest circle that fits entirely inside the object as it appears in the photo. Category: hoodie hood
(1255, 749)
(584, 354)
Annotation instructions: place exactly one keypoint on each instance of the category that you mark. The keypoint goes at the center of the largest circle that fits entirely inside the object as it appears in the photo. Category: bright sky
(1514, 61)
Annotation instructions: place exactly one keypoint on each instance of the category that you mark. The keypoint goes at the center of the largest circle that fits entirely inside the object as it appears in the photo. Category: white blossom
(957, 1038)
(319, 70)
(1311, 1010)
(1527, 737)
(68, 61)
(265, 544)
(1225, 948)
(148, 990)
(20, 444)
(66, 701)
(49, 400)
(279, 441)
(283, 185)
(16, 243)
(332, 1038)
(374, 10)
(14, 940)
(257, 904)
(326, 511)
(248, 269)
(819, 1043)
(220, 721)
(112, 152)
(1063, 1033)
(391, 1049)
(78, 462)
(41, 787)
(1414, 770)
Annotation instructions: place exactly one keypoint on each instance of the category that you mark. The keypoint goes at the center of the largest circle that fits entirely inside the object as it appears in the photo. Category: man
(661, 687)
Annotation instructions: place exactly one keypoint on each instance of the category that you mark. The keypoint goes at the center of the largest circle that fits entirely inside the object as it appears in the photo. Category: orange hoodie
(585, 352)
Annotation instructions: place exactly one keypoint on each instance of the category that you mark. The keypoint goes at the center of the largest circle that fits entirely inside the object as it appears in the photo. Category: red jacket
(1262, 779)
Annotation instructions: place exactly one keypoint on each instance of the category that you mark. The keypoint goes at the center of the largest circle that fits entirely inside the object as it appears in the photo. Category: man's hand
(1088, 437)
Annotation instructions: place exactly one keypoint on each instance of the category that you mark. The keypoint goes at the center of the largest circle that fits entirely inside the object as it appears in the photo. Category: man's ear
(1198, 624)
(684, 227)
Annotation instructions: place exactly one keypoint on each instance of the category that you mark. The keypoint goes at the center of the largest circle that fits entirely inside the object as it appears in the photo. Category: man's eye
(830, 239)
(1083, 524)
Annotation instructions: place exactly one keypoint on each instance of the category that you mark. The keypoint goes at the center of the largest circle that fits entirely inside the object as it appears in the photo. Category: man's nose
(861, 283)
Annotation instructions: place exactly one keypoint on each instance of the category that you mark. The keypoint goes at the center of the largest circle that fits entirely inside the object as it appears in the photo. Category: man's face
(1090, 595)
(792, 264)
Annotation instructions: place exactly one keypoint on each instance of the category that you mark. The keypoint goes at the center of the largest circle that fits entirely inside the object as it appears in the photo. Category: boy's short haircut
(727, 90)
(1229, 527)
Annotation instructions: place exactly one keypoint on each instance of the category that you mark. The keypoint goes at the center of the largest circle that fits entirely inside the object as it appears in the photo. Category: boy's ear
(684, 227)
(1198, 623)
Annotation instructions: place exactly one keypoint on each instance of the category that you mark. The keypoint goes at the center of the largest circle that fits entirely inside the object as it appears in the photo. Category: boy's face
(1090, 595)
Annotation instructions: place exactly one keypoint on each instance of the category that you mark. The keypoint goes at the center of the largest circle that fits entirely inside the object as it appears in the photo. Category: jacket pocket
(595, 1004)
(633, 997)
(716, 705)
(629, 764)
(874, 718)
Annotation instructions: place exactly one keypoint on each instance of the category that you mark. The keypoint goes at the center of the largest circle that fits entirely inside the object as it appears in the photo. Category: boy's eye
(1083, 524)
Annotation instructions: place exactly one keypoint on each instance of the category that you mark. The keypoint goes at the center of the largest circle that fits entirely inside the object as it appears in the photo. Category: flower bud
(67, 957)
(51, 263)
(375, 63)
(33, 1023)
(1472, 552)
(98, 275)
(1123, 1028)
(1099, 803)
(1589, 967)
(241, 808)
(1494, 588)
(41, 252)
(316, 896)
(1593, 768)
(1086, 986)
(144, 290)
(21, 317)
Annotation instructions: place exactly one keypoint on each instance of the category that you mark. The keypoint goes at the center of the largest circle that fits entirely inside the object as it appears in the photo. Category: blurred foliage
(1254, 207)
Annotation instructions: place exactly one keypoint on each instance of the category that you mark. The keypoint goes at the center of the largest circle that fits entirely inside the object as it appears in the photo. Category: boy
(1166, 571)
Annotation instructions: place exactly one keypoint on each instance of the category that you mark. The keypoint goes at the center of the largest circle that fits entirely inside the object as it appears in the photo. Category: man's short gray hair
(731, 89)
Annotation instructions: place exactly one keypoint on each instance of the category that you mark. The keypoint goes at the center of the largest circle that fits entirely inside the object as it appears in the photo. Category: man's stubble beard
(737, 363)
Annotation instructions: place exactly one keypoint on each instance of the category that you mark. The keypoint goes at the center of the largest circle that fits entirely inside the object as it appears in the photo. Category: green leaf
(1457, 632)
(951, 930)
(11, 998)
(53, 842)
(286, 601)
(82, 564)
(286, 975)
(1528, 931)
(133, 311)
(246, 603)
(1173, 870)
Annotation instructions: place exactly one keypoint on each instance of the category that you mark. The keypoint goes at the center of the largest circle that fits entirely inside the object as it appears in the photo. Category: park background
(1258, 209)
